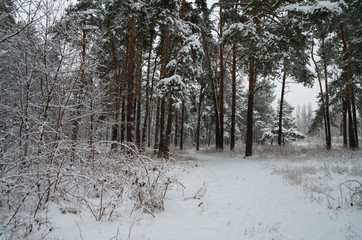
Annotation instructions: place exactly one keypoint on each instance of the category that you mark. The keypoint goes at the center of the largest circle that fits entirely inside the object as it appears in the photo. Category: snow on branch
(322, 6)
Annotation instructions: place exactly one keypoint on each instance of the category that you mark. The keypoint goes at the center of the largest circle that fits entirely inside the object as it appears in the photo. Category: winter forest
(119, 116)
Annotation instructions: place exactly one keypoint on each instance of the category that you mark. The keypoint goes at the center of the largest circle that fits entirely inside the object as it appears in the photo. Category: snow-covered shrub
(75, 182)
(327, 177)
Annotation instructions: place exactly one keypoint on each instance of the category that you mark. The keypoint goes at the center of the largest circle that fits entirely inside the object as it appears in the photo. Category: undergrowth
(100, 183)
(333, 178)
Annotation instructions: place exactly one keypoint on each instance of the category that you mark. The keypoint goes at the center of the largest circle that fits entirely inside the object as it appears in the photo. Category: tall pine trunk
(351, 132)
(117, 83)
(182, 125)
(79, 97)
(157, 125)
(328, 124)
(138, 84)
(220, 143)
(349, 96)
(280, 123)
(233, 103)
(176, 128)
(251, 93)
(250, 117)
(199, 113)
(344, 121)
(149, 140)
(131, 79)
(166, 138)
(354, 113)
(214, 90)
(124, 99)
(161, 103)
(321, 91)
(163, 151)
(147, 107)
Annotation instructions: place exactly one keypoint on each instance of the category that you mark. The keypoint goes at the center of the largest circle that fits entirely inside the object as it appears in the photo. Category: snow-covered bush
(75, 183)
(320, 173)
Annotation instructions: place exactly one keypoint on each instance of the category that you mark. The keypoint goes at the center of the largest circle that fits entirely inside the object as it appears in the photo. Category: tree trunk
(321, 90)
(351, 132)
(157, 125)
(220, 144)
(250, 113)
(214, 90)
(344, 122)
(117, 83)
(147, 107)
(124, 98)
(280, 124)
(328, 124)
(252, 82)
(182, 125)
(151, 109)
(139, 83)
(233, 103)
(91, 130)
(350, 105)
(166, 138)
(162, 133)
(199, 113)
(161, 103)
(354, 119)
(163, 151)
(131, 79)
(176, 128)
(79, 97)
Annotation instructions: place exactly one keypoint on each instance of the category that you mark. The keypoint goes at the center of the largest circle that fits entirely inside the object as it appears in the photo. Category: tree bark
(79, 97)
(139, 83)
(220, 144)
(161, 104)
(165, 139)
(163, 151)
(176, 128)
(321, 90)
(252, 82)
(233, 103)
(214, 90)
(149, 141)
(280, 124)
(117, 83)
(349, 101)
(147, 107)
(199, 113)
(354, 119)
(328, 124)
(131, 79)
(182, 125)
(344, 122)
(250, 114)
(124, 100)
(351, 131)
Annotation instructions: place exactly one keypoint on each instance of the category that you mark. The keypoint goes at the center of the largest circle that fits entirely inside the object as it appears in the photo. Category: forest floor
(297, 193)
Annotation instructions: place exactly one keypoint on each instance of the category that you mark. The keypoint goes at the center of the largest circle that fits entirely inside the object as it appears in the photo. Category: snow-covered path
(237, 199)
(242, 201)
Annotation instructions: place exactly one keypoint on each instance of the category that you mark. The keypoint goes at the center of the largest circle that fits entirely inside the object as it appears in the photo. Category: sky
(297, 94)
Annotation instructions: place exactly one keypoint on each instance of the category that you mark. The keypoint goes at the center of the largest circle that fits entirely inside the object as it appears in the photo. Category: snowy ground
(267, 196)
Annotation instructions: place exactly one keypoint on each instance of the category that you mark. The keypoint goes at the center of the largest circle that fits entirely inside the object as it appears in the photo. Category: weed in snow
(332, 177)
